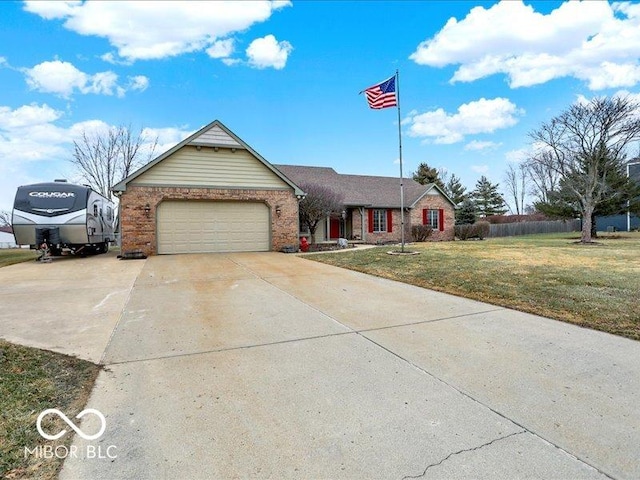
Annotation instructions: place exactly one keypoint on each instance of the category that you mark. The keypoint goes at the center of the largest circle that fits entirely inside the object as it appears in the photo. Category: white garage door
(203, 227)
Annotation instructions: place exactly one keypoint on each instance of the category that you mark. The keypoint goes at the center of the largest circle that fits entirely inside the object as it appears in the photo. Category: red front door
(334, 228)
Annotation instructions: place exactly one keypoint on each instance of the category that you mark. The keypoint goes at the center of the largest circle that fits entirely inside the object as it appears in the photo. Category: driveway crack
(463, 451)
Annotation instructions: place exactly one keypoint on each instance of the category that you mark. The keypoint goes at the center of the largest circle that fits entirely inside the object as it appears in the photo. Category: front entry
(334, 228)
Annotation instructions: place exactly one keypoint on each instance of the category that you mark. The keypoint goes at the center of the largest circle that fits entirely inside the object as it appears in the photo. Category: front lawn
(596, 286)
(9, 256)
(31, 381)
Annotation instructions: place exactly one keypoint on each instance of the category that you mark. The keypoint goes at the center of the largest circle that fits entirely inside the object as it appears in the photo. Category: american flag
(382, 95)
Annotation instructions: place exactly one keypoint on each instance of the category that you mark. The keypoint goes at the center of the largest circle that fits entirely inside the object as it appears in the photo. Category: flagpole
(400, 152)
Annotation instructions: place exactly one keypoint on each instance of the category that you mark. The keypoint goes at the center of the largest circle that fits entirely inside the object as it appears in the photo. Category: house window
(432, 217)
(379, 220)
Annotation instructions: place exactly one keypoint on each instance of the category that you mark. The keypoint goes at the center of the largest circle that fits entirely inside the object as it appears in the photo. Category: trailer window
(95, 210)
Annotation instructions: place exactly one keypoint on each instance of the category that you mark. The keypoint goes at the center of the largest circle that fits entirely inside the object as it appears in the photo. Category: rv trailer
(68, 218)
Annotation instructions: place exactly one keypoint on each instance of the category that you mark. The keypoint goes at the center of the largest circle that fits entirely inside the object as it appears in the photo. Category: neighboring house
(210, 193)
(7, 240)
(624, 222)
(372, 206)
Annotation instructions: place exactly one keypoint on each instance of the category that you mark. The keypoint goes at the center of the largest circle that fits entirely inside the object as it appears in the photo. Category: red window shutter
(441, 219)
(424, 216)
(370, 221)
(389, 220)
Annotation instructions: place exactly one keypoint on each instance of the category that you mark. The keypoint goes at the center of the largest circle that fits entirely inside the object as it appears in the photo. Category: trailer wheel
(104, 248)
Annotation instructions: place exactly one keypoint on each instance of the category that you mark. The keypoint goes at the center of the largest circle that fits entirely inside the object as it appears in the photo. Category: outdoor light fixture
(278, 210)
(233, 150)
(198, 147)
(147, 209)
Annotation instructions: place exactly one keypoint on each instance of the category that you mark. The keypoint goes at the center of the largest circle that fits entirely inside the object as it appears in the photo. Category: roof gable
(215, 134)
(216, 137)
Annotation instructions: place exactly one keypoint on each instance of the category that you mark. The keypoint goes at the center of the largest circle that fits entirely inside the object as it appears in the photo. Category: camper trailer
(68, 218)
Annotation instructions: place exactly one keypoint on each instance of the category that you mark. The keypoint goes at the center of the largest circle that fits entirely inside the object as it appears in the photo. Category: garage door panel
(202, 227)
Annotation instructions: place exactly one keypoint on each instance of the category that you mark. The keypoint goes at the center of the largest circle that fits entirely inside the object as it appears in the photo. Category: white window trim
(382, 222)
(434, 225)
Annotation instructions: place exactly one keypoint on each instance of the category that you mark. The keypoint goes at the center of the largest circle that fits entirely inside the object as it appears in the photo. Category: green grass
(31, 381)
(595, 286)
(9, 256)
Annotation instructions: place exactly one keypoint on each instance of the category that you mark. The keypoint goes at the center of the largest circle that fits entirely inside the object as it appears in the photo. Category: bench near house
(372, 206)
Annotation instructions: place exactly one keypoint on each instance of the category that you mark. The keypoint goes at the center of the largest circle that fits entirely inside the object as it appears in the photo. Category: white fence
(531, 228)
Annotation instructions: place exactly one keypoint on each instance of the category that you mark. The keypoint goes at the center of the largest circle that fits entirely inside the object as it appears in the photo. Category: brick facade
(436, 202)
(138, 227)
(412, 217)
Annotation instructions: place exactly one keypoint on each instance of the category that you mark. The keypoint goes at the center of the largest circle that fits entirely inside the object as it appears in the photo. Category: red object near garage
(304, 245)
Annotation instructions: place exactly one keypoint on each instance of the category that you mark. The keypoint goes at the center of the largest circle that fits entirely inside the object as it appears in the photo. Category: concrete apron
(268, 365)
(70, 305)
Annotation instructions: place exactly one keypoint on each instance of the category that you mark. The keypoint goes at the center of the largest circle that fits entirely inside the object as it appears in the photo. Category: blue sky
(475, 78)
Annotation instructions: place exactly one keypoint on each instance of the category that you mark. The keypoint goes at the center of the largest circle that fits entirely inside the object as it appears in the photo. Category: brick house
(209, 193)
(372, 206)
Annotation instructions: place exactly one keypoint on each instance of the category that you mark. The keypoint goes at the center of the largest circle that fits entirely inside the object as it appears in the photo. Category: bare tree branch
(515, 183)
(319, 202)
(105, 158)
(5, 218)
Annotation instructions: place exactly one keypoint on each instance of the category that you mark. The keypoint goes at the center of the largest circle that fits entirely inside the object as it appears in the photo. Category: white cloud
(268, 52)
(519, 155)
(167, 137)
(221, 48)
(143, 30)
(480, 116)
(64, 79)
(231, 61)
(27, 116)
(480, 168)
(61, 78)
(477, 145)
(139, 83)
(596, 42)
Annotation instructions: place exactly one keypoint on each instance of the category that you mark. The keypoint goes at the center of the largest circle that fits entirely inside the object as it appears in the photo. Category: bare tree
(319, 202)
(584, 145)
(515, 181)
(104, 158)
(543, 178)
(5, 218)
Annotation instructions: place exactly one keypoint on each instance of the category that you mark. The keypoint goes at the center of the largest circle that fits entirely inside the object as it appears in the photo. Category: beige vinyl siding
(212, 226)
(215, 136)
(208, 168)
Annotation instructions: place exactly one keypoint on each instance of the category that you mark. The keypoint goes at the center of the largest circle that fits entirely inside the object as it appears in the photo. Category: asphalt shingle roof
(358, 190)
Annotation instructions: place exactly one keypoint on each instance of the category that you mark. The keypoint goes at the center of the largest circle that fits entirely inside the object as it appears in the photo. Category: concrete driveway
(269, 365)
(71, 305)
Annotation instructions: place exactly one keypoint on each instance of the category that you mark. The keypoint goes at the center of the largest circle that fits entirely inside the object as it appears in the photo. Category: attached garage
(210, 193)
(209, 227)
